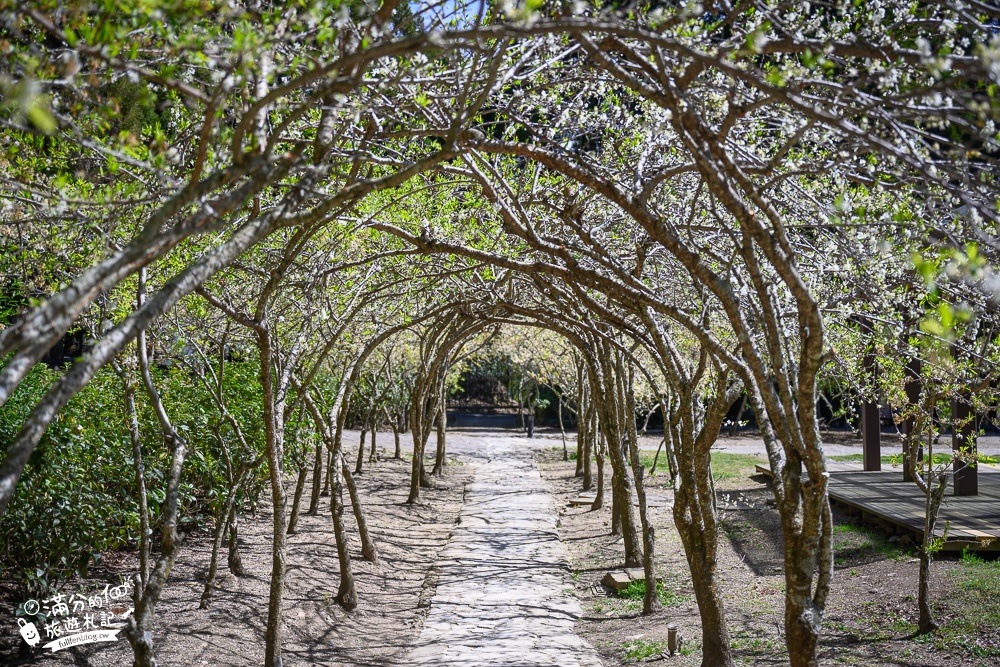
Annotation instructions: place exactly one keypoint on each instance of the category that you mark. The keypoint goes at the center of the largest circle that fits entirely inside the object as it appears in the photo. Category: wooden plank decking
(973, 521)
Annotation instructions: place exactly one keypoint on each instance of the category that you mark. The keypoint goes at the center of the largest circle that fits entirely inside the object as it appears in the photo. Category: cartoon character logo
(29, 632)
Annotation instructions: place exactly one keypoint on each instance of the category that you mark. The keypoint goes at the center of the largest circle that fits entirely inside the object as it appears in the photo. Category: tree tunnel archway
(701, 202)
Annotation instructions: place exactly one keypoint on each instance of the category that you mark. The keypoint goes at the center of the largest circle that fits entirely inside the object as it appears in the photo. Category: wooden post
(871, 428)
(912, 388)
(672, 646)
(871, 436)
(966, 477)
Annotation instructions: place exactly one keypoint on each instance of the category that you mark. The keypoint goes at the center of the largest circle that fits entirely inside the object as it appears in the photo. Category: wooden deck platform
(974, 521)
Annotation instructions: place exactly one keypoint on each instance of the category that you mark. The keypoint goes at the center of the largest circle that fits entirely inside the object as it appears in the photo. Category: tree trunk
(361, 451)
(222, 521)
(417, 464)
(347, 596)
(935, 495)
(273, 436)
(582, 417)
(716, 646)
(140, 626)
(140, 477)
(926, 624)
(694, 516)
(562, 430)
(656, 458)
(372, 452)
(368, 549)
(233, 559)
(734, 428)
(442, 426)
(147, 594)
(615, 431)
(395, 436)
(616, 506)
(650, 602)
(213, 563)
(589, 443)
(803, 615)
(801, 636)
(621, 483)
(599, 496)
(317, 482)
(425, 480)
(300, 485)
(520, 404)
(328, 483)
(626, 395)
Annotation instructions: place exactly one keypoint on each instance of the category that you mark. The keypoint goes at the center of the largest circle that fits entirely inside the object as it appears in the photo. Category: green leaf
(41, 118)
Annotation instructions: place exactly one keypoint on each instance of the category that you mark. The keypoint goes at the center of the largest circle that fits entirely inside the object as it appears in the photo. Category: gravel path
(504, 590)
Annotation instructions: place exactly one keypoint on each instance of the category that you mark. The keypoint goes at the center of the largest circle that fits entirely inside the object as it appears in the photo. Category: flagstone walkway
(504, 588)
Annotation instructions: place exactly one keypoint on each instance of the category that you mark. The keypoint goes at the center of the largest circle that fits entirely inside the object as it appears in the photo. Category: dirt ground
(393, 596)
(871, 613)
(869, 620)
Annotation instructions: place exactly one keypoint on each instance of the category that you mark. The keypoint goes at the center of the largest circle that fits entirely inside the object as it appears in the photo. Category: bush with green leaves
(77, 497)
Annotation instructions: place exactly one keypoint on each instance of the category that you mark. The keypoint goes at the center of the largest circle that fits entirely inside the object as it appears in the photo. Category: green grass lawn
(970, 614)
(854, 544)
(724, 464)
(635, 650)
(728, 466)
(859, 458)
(636, 591)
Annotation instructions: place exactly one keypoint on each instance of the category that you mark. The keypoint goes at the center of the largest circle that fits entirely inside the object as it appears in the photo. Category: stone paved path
(503, 594)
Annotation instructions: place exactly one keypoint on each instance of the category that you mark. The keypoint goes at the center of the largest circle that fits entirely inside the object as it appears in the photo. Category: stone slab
(504, 591)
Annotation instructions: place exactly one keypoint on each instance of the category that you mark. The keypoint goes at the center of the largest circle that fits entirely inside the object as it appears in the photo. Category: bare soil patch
(869, 620)
(871, 614)
(393, 595)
